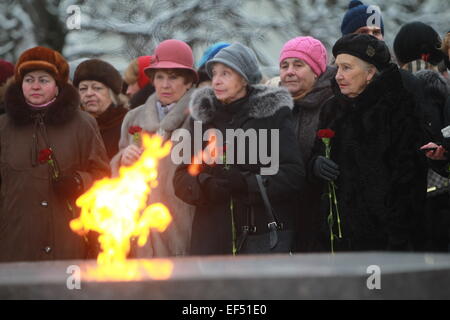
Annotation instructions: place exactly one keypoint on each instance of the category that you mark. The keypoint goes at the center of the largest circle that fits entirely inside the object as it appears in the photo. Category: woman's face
(352, 76)
(228, 85)
(95, 97)
(297, 76)
(169, 86)
(39, 87)
(132, 89)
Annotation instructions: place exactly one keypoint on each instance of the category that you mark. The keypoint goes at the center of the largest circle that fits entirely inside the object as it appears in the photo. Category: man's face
(373, 30)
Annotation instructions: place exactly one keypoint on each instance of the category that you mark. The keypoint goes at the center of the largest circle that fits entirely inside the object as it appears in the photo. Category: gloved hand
(217, 190)
(68, 187)
(236, 180)
(326, 169)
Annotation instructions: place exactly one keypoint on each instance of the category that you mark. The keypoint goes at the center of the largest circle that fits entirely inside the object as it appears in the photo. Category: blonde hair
(446, 43)
(118, 99)
(131, 72)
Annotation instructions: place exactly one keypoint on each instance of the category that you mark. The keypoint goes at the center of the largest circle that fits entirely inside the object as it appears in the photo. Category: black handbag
(276, 240)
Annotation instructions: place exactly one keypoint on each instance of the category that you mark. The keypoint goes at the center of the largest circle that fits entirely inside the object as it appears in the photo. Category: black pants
(438, 223)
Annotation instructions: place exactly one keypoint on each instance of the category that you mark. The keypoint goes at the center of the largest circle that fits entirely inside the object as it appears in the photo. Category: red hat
(6, 71)
(172, 54)
(143, 62)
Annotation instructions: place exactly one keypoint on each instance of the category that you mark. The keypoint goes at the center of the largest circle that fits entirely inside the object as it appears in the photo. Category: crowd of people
(362, 141)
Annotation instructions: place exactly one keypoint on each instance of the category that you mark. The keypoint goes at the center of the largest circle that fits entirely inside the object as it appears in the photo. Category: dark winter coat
(425, 104)
(382, 180)
(110, 123)
(437, 209)
(262, 108)
(34, 222)
(140, 97)
(306, 117)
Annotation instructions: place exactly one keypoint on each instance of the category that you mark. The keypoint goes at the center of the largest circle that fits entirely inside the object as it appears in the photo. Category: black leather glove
(217, 190)
(326, 169)
(236, 180)
(68, 187)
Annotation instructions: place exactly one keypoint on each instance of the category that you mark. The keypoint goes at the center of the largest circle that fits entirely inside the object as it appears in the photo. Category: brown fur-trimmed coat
(34, 222)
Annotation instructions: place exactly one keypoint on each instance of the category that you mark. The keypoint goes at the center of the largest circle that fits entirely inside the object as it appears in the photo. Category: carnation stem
(233, 229)
(333, 187)
(330, 218)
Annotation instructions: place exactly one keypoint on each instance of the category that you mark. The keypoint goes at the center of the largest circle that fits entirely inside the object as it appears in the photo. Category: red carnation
(325, 133)
(45, 155)
(134, 129)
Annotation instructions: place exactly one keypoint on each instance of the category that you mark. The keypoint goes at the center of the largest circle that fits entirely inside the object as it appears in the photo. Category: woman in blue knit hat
(210, 52)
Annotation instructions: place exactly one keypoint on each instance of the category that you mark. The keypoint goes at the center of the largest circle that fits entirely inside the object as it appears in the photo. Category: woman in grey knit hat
(228, 201)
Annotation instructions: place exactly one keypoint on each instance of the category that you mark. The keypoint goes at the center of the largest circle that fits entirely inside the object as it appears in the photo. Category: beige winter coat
(175, 240)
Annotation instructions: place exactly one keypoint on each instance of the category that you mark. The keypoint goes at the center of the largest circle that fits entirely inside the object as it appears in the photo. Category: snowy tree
(125, 29)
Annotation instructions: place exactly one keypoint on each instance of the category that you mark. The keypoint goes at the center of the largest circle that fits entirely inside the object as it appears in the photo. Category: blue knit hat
(211, 51)
(357, 17)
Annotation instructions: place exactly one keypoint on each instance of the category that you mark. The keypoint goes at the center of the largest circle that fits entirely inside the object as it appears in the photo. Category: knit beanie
(210, 52)
(415, 41)
(239, 58)
(98, 70)
(143, 63)
(307, 49)
(357, 17)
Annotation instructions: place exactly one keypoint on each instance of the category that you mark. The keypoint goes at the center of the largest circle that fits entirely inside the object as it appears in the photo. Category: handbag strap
(273, 224)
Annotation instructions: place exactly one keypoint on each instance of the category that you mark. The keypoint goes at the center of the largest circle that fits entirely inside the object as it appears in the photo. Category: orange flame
(211, 154)
(117, 209)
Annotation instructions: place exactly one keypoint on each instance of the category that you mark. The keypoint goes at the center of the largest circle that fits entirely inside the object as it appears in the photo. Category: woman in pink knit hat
(304, 72)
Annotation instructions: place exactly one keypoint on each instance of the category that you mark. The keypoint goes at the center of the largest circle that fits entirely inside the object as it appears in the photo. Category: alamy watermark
(251, 140)
(73, 22)
(375, 19)
(374, 280)
(73, 281)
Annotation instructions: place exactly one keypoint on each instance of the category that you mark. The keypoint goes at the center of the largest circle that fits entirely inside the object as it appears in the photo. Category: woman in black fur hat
(379, 174)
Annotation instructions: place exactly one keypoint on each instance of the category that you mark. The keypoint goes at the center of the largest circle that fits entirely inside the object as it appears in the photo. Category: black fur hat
(365, 47)
(417, 40)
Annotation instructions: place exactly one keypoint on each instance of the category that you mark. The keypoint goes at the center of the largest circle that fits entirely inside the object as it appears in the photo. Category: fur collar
(433, 84)
(59, 112)
(263, 102)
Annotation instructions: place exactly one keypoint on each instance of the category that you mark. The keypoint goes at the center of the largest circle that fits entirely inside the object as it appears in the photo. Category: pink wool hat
(307, 49)
(172, 54)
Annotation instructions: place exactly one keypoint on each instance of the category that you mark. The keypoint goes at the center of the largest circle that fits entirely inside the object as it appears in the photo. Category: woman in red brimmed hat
(173, 76)
(51, 152)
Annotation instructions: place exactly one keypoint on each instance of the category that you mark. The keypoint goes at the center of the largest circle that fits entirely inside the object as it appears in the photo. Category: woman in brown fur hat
(99, 85)
(51, 152)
